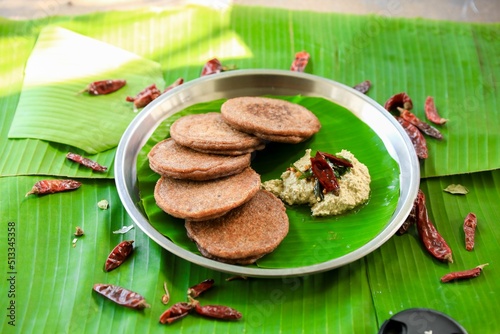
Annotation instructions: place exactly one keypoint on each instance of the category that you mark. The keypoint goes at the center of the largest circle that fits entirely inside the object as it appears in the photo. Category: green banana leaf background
(50, 282)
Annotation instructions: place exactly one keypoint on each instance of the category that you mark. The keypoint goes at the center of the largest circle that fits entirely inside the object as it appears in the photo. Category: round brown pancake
(201, 200)
(233, 152)
(244, 234)
(209, 133)
(171, 159)
(282, 139)
(269, 117)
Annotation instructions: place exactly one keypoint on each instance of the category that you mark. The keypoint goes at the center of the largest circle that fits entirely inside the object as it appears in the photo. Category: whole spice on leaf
(432, 240)
(144, 97)
(86, 162)
(300, 61)
(121, 296)
(175, 312)
(459, 275)
(363, 87)
(421, 125)
(44, 187)
(214, 66)
(417, 138)
(176, 83)
(431, 112)
(79, 231)
(118, 255)
(182, 309)
(401, 100)
(216, 311)
(104, 87)
(470, 224)
(199, 288)
(410, 220)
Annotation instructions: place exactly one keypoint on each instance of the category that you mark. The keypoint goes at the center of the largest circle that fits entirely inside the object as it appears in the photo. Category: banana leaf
(310, 240)
(39, 156)
(454, 62)
(457, 63)
(404, 275)
(53, 106)
(54, 276)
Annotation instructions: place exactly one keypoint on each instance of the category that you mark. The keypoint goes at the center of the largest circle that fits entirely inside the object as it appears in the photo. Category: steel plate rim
(137, 133)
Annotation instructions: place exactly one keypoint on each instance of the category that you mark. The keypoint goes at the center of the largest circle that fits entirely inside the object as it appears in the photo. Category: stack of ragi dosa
(206, 177)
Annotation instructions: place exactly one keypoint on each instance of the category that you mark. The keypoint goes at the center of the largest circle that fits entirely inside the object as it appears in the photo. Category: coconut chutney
(294, 189)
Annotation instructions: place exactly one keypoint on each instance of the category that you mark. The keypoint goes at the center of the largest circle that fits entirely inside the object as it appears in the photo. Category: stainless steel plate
(265, 82)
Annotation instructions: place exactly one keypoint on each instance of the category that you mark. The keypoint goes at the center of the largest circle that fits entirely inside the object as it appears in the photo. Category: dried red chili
(104, 87)
(470, 224)
(458, 275)
(363, 87)
(300, 62)
(44, 187)
(401, 100)
(432, 240)
(212, 66)
(324, 174)
(216, 311)
(199, 288)
(421, 125)
(174, 84)
(410, 220)
(118, 255)
(121, 296)
(144, 97)
(86, 162)
(431, 112)
(175, 312)
(339, 161)
(416, 137)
